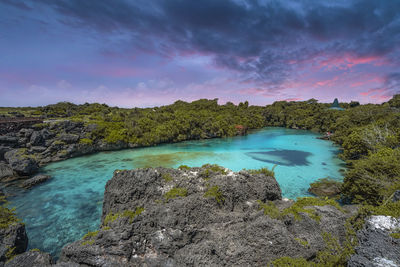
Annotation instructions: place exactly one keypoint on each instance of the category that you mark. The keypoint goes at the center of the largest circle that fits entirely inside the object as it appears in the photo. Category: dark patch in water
(283, 157)
(323, 163)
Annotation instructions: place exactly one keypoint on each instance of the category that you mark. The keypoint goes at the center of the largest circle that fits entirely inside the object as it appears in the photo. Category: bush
(175, 192)
(215, 192)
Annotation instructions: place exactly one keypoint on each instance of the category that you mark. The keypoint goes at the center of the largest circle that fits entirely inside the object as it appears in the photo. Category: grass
(86, 141)
(302, 242)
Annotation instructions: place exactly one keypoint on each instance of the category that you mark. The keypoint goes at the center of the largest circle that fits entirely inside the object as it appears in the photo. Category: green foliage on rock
(325, 187)
(111, 217)
(264, 171)
(215, 192)
(175, 192)
(167, 177)
(7, 216)
(86, 141)
(302, 205)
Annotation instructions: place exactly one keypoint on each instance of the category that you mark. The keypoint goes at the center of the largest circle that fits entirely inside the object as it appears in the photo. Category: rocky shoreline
(23, 151)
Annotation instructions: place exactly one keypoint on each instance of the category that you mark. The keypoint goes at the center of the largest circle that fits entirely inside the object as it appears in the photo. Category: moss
(106, 228)
(175, 192)
(395, 235)
(215, 192)
(11, 253)
(264, 171)
(302, 242)
(35, 249)
(298, 207)
(184, 167)
(124, 214)
(291, 262)
(86, 141)
(167, 177)
(59, 142)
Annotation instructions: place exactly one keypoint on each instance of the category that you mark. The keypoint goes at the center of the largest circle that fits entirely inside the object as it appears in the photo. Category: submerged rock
(198, 217)
(325, 188)
(37, 179)
(376, 246)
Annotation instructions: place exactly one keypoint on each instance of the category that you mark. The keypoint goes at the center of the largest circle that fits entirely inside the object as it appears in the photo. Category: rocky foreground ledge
(206, 216)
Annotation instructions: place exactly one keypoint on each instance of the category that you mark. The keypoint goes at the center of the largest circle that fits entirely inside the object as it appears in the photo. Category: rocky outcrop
(37, 179)
(376, 245)
(13, 240)
(198, 217)
(33, 258)
(20, 162)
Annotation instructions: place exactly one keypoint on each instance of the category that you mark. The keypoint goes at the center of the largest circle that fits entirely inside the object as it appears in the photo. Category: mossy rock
(325, 188)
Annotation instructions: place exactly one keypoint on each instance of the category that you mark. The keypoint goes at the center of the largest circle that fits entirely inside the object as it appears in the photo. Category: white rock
(385, 223)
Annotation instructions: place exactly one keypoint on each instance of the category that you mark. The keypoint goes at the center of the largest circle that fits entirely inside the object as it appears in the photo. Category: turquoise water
(69, 205)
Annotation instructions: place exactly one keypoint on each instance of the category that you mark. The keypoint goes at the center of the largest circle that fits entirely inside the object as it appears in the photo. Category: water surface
(69, 205)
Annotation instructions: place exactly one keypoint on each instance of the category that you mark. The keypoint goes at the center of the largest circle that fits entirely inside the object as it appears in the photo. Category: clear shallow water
(69, 205)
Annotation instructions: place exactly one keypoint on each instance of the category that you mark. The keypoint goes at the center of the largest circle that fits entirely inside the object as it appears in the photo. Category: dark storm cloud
(255, 38)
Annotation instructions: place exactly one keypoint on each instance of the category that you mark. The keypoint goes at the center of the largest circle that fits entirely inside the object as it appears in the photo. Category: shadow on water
(282, 157)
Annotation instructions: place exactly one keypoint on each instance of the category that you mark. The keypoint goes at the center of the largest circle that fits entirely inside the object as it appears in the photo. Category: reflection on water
(69, 205)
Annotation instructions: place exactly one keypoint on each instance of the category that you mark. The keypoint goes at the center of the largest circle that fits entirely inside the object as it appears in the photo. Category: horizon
(146, 54)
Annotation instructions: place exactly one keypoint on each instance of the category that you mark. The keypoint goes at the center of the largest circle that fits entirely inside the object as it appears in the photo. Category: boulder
(26, 132)
(37, 179)
(36, 139)
(396, 196)
(32, 258)
(5, 170)
(198, 217)
(20, 162)
(376, 246)
(13, 240)
(3, 150)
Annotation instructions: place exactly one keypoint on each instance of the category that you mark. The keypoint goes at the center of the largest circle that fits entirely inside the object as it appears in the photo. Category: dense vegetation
(368, 134)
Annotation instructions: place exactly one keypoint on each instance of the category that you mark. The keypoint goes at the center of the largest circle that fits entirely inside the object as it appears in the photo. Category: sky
(141, 53)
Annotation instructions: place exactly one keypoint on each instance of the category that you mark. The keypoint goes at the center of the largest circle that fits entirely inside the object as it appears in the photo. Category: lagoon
(69, 205)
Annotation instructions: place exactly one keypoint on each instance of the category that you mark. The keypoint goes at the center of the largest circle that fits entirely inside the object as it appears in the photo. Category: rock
(20, 162)
(26, 132)
(14, 236)
(69, 138)
(32, 258)
(5, 170)
(37, 179)
(38, 149)
(325, 188)
(396, 196)
(3, 150)
(376, 246)
(215, 222)
(46, 134)
(36, 139)
(8, 140)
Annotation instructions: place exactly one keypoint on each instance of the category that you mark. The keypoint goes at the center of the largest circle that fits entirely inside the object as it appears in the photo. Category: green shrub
(167, 177)
(11, 253)
(90, 235)
(215, 192)
(395, 235)
(291, 262)
(302, 242)
(184, 167)
(7, 216)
